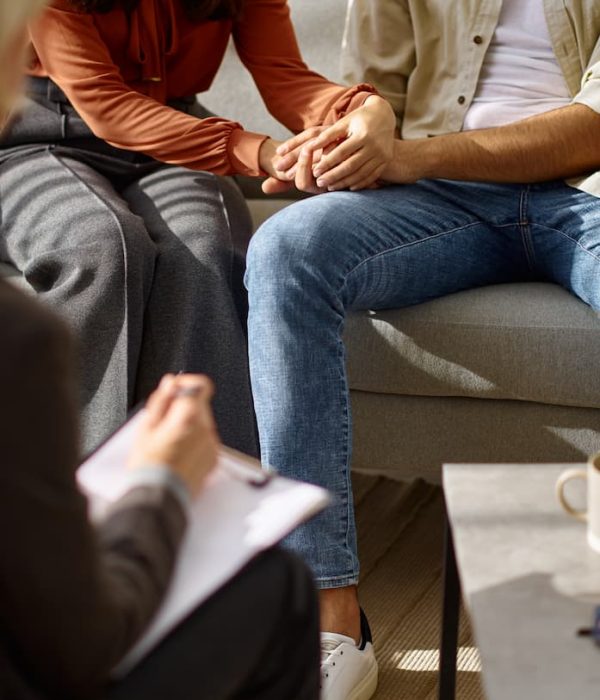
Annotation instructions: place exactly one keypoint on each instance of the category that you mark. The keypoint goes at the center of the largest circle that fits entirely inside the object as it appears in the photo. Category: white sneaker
(348, 671)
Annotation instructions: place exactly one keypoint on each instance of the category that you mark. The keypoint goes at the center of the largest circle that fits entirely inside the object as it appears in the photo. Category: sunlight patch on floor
(468, 660)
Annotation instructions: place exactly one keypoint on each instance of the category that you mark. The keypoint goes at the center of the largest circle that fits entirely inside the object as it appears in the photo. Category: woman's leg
(195, 318)
(257, 638)
(82, 250)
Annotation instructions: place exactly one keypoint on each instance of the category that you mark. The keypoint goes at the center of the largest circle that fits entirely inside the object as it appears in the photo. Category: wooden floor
(400, 529)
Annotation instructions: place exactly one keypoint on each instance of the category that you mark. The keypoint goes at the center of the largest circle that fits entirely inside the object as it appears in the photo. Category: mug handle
(566, 476)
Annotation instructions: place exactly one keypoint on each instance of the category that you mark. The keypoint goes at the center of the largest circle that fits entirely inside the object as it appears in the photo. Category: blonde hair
(14, 15)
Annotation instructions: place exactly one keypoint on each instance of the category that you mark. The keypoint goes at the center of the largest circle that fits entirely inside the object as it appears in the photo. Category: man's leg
(196, 313)
(306, 267)
(88, 257)
(562, 225)
(257, 638)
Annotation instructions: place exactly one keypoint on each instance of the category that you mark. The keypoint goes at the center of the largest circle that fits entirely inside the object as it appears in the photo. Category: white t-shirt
(520, 76)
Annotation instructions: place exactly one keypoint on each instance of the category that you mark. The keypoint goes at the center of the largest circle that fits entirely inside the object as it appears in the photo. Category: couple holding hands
(118, 210)
(117, 206)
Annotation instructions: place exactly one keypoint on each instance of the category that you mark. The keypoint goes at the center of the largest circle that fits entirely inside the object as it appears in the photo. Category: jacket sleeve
(379, 47)
(294, 95)
(73, 599)
(76, 58)
(589, 93)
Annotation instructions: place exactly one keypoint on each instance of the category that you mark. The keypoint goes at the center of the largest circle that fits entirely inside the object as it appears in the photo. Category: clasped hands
(352, 154)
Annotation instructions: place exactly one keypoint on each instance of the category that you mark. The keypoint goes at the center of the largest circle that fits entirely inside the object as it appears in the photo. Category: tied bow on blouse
(153, 37)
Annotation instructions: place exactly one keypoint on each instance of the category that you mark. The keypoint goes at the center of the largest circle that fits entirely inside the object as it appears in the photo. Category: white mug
(591, 515)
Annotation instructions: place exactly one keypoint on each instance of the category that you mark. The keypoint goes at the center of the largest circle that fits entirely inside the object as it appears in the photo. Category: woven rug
(400, 529)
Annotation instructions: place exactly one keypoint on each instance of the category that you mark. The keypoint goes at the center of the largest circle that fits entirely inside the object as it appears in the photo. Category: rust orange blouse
(120, 70)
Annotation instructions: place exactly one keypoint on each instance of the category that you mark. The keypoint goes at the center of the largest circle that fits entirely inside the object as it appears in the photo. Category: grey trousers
(147, 268)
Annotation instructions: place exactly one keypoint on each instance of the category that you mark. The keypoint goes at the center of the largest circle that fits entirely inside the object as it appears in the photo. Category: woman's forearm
(75, 57)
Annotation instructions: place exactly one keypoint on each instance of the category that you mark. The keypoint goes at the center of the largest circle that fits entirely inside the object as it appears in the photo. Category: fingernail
(317, 172)
(321, 182)
(281, 150)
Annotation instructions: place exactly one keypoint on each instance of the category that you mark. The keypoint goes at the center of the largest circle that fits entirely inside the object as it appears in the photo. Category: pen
(257, 478)
(188, 391)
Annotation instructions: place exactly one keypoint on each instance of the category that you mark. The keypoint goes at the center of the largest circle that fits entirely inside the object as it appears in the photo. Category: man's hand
(356, 149)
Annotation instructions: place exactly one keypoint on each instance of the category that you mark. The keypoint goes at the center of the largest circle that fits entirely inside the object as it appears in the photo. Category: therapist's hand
(178, 430)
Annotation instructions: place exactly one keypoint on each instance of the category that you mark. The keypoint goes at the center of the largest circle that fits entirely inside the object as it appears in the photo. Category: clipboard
(230, 522)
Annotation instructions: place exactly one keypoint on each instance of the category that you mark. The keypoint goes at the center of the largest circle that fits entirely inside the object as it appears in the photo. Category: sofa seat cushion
(530, 342)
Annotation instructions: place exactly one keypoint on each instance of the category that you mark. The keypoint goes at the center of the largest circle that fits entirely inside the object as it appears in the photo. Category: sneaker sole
(367, 687)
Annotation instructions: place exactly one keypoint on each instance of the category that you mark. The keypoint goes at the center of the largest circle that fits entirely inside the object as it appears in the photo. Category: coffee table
(529, 581)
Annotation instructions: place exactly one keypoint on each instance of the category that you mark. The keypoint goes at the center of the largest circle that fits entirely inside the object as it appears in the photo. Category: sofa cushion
(531, 342)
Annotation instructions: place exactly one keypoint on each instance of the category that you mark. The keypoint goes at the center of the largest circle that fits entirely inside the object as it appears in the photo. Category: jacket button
(477, 39)
(461, 100)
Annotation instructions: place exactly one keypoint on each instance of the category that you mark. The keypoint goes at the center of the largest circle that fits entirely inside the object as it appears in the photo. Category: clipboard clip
(256, 477)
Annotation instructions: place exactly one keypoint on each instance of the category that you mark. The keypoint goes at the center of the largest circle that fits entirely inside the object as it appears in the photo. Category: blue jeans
(389, 248)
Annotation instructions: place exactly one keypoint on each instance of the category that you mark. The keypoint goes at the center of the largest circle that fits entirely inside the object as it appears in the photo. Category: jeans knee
(298, 247)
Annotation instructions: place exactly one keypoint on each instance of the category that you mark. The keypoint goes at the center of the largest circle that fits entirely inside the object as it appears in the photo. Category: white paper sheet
(231, 522)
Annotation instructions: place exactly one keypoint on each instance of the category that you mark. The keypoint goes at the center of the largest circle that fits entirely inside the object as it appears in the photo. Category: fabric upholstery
(412, 436)
(530, 342)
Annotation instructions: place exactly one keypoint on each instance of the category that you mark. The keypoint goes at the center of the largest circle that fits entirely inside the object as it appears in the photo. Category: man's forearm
(558, 144)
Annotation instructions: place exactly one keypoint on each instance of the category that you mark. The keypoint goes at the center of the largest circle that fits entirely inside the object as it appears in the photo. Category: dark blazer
(73, 599)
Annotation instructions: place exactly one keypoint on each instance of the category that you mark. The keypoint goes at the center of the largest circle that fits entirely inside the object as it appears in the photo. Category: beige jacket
(425, 57)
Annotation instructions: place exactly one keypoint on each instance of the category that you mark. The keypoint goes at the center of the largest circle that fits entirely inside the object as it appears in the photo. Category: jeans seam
(410, 244)
(525, 229)
(345, 392)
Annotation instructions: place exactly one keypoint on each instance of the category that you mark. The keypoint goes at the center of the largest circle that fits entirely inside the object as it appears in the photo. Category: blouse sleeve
(76, 58)
(294, 95)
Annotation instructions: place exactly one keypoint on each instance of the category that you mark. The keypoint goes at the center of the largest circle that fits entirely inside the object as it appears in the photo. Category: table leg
(450, 620)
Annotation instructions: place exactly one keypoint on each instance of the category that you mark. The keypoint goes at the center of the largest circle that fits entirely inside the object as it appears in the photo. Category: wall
(319, 25)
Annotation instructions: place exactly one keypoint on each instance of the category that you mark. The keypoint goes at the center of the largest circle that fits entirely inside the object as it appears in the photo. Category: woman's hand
(356, 149)
(278, 181)
(178, 429)
(289, 164)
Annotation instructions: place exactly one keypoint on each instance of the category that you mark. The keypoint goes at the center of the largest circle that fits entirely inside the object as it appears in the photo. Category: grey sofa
(501, 374)
(508, 373)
